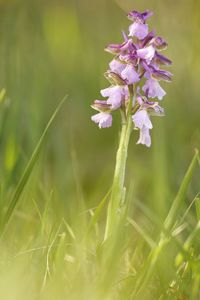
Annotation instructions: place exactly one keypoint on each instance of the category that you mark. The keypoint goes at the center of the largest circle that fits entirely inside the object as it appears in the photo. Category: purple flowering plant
(134, 75)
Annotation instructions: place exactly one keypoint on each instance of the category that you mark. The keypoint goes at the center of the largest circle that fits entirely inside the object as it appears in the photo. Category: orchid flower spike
(136, 66)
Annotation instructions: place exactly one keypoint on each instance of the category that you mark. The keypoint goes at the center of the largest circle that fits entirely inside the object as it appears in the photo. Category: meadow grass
(45, 255)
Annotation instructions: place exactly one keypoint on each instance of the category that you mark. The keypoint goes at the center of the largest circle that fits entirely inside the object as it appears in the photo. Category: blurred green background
(52, 48)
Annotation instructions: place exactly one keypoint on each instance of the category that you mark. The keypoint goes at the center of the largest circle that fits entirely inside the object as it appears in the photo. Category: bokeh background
(51, 48)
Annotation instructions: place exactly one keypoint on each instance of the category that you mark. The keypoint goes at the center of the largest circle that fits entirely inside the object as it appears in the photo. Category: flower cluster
(136, 63)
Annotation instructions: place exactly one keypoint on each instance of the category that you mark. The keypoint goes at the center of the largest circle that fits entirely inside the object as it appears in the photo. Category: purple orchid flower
(142, 121)
(146, 54)
(153, 89)
(117, 66)
(139, 30)
(130, 75)
(135, 59)
(103, 119)
(115, 94)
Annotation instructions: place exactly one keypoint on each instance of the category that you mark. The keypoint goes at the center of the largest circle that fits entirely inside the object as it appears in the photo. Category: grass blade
(28, 170)
(197, 205)
(141, 231)
(181, 193)
(164, 240)
(97, 212)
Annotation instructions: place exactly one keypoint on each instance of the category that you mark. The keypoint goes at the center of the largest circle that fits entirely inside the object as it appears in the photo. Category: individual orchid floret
(146, 53)
(117, 66)
(130, 75)
(141, 119)
(153, 89)
(115, 94)
(139, 28)
(103, 119)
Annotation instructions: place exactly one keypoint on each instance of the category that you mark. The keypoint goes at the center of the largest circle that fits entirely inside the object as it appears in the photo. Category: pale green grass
(46, 256)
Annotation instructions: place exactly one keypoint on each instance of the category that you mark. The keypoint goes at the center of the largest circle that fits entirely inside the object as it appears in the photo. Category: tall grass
(45, 256)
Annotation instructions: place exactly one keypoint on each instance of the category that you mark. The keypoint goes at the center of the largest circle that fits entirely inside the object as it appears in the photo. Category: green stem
(118, 189)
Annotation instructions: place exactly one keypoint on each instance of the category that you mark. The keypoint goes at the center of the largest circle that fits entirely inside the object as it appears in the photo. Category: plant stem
(118, 189)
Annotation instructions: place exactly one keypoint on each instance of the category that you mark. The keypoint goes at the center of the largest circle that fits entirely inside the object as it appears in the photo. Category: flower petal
(118, 48)
(146, 53)
(116, 66)
(153, 89)
(161, 59)
(115, 94)
(135, 15)
(141, 118)
(130, 75)
(139, 30)
(103, 119)
(147, 39)
(145, 138)
(161, 75)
